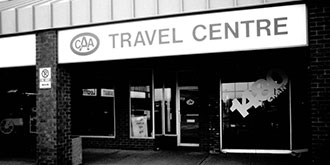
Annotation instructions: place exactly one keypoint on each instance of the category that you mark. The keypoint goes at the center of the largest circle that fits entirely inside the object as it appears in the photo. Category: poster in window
(107, 93)
(139, 126)
(89, 92)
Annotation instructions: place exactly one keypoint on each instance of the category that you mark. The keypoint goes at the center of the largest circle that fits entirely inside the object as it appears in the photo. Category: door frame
(178, 116)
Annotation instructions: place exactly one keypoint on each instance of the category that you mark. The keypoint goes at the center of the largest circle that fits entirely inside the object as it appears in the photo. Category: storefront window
(93, 109)
(18, 100)
(256, 111)
(159, 111)
(165, 117)
(18, 110)
(141, 112)
(169, 111)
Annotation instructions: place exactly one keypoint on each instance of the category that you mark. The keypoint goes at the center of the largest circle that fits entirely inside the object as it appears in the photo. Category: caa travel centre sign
(262, 28)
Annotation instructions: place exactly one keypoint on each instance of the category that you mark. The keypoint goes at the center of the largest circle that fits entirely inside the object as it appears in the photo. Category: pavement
(168, 157)
(177, 157)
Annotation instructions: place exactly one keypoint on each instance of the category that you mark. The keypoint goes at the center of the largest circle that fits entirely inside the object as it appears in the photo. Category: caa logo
(84, 44)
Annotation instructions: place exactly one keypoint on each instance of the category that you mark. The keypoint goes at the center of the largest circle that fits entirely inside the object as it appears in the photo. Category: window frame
(252, 150)
(114, 120)
(152, 106)
(164, 121)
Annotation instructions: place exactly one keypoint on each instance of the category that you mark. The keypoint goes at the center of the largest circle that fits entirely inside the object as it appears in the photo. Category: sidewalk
(165, 157)
(128, 157)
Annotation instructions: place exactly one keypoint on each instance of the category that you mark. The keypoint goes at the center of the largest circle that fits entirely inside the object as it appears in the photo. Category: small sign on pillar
(45, 81)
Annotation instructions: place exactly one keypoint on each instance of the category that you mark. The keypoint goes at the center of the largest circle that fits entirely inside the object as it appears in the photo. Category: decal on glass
(89, 92)
(261, 90)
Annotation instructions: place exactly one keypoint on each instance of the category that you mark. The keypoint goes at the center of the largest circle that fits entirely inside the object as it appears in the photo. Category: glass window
(141, 111)
(93, 104)
(159, 105)
(165, 116)
(18, 110)
(256, 114)
(169, 108)
(18, 101)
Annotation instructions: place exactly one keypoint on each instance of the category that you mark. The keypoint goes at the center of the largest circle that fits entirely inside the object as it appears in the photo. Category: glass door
(189, 116)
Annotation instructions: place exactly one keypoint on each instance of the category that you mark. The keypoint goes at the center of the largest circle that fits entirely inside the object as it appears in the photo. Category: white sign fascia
(18, 51)
(252, 29)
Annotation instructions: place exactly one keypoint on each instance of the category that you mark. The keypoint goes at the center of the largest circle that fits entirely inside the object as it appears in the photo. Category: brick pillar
(53, 105)
(319, 42)
(209, 115)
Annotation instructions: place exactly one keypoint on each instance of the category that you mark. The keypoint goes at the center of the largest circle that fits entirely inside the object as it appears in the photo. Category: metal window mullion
(290, 116)
(130, 109)
(153, 103)
(163, 110)
(168, 114)
(220, 114)
(177, 107)
(114, 111)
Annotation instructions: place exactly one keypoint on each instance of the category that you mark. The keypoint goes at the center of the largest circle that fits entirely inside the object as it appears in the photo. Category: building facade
(219, 76)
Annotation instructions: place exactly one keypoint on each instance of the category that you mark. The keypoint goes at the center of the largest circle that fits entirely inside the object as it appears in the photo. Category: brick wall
(319, 69)
(209, 117)
(53, 105)
(214, 126)
(64, 144)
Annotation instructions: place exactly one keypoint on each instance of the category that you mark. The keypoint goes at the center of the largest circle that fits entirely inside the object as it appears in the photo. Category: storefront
(18, 96)
(176, 100)
(215, 76)
(165, 84)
